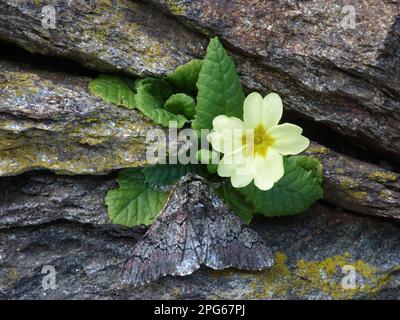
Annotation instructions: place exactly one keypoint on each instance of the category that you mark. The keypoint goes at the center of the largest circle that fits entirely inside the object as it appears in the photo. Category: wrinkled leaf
(152, 106)
(134, 202)
(297, 190)
(184, 78)
(113, 89)
(219, 89)
(181, 103)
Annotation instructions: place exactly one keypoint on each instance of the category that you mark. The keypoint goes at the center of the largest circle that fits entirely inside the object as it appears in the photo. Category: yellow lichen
(19, 82)
(327, 275)
(32, 147)
(382, 177)
(351, 187)
(348, 183)
(318, 149)
(176, 9)
(153, 54)
(385, 194)
(307, 278)
(358, 195)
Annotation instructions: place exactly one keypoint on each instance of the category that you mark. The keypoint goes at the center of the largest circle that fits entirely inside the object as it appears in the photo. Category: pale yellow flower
(253, 148)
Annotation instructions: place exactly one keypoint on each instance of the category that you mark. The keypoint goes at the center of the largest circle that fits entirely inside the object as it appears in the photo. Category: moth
(195, 228)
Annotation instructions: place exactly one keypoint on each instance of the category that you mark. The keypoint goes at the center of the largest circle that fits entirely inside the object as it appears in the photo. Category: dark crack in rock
(195, 228)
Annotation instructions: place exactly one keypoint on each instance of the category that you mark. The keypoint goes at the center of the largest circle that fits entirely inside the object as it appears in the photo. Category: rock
(358, 186)
(345, 79)
(49, 120)
(39, 198)
(104, 35)
(42, 197)
(308, 265)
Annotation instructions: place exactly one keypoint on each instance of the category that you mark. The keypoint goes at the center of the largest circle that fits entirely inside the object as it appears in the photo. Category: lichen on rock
(49, 120)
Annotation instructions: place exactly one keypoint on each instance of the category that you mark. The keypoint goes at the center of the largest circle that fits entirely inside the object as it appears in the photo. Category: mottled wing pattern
(160, 252)
(195, 228)
(230, 243)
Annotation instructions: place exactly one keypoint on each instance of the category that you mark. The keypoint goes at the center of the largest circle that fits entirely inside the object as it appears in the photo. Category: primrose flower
(253, 148)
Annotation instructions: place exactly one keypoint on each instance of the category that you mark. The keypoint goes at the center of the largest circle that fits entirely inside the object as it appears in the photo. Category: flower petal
(268, 170)
(225, 141)
(252, 110)
(230, 162)
(288, 139)
(272, 110)
(225, 122)
(241, 180)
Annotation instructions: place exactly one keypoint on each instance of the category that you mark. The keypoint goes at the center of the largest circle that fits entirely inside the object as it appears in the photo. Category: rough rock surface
(49, 120)
(347, 79)
(357, 185)
(37, 198)
(104, 35)
(310, 251)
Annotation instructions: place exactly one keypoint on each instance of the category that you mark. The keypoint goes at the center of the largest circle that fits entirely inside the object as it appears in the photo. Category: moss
(318, 150)
(175, 8)
(382, 177)
(358, 195)
(326, 276)
(63, 148)
(12, 277)
(348, 183)
(311, 278)
(19, 83)
(351, 187)
(153, 54)
(339, 171)
(385, 194)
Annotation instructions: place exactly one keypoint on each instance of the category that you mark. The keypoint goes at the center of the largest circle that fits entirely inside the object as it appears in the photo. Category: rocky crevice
(347, 81)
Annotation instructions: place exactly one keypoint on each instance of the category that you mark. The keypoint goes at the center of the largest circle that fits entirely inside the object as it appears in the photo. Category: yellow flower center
(257, 141)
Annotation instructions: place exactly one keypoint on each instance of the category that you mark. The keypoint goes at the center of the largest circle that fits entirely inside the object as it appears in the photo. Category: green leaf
(219, 89)
(298, 189)
(184, 78)
(159, 89)
(150, 99)
(236, 202)
(135, 202)
(310, 164)
(167, 174)
(181, 103)
(113, 89)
